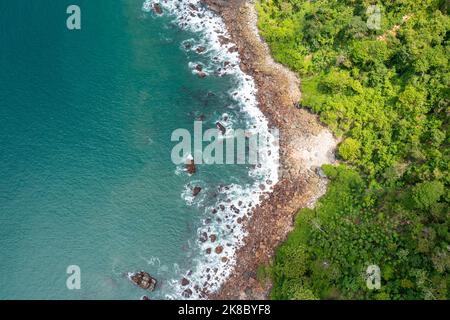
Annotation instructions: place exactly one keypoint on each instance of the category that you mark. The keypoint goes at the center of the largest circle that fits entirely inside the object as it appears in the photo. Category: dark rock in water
(236, 210)
(187, 293)
(223, 40)
(196, 191)
(193, 7)
(221, 127)
(219, 249)
(201, 117)
(142, 279)
(190, 166)
(200, 49)
(184, 282)
(233, 49)
(199, 67)
(320, 173)
(213, 237)
(208, 250)
(145, 298)
(157, 8)
(201, 74)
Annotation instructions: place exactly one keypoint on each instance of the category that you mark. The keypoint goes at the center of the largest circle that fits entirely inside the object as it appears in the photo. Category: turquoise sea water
(85, 172)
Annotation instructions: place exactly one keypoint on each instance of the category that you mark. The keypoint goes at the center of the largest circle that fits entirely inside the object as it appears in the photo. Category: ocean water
(86, 176)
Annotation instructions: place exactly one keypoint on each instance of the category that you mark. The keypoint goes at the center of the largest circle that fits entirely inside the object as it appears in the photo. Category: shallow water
(86, 176)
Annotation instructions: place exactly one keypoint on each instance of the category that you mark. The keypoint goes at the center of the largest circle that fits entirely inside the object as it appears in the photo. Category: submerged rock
(142, 279)
(320, 173)
(190, 166)
(221, 127)
(187, 293)
(184, 282)
(200, 49)
(196, 191)
(157, 8)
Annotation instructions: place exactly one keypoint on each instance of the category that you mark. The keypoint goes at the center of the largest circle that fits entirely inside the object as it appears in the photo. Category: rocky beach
(305, 144)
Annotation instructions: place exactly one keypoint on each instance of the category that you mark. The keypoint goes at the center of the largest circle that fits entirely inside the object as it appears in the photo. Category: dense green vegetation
(385, 92)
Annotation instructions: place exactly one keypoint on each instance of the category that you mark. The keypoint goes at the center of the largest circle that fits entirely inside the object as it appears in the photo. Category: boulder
(218, 249)
(187, 293)
(190, 166)
(184, 282)
(200, 49)
(196, 191)
(203, 237)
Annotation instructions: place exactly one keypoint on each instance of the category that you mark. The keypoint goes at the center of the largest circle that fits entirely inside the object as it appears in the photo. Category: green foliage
(350, 149)
(386, 92)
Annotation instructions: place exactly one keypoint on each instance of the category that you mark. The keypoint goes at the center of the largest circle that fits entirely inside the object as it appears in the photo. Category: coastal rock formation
(142, 279)
(200, 49)
(196, 190)
(157, 8)
(184, 282)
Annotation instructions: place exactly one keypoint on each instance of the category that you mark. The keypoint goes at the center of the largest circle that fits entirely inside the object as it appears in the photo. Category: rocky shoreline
(305, 144)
